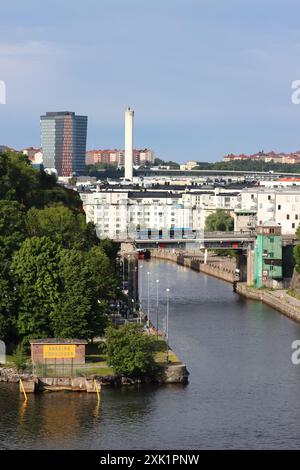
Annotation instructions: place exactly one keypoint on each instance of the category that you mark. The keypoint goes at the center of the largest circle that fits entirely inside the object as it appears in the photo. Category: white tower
(129, 114)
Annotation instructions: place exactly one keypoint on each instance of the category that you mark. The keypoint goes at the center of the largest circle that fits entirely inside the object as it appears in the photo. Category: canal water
(243, 391)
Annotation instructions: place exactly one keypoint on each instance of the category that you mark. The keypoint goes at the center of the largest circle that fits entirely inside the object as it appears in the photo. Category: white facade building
(256, 205)
(119, 214)
(209, 201)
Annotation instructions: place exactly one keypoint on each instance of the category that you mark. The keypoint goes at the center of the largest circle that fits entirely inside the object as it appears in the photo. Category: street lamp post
(167, 325)
(123, 269)
(157, 282)
(141, 293)
(148, 298)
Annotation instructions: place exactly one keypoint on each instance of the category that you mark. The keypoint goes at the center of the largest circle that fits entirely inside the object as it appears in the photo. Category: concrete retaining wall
(221, 268)
(175, 374)
(281, 305)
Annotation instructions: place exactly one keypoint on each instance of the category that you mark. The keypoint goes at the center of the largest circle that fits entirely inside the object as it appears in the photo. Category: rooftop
(58, 341)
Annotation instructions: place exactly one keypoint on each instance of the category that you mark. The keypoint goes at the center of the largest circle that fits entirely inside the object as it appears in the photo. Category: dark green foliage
(130, 351)
(8, 306)
(81, 308)
(110, 248)
(219, 220)
(20, 182)
(171, 164)
(19, 358)
(56, 278)
(62, 226)
(35, 268)
(249, 165)
(12, 228)
(297, 251)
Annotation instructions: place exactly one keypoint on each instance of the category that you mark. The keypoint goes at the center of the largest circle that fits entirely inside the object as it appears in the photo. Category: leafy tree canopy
(130, 351)
(61, 225)
(12, 228)
(220, 220)
(35, 267)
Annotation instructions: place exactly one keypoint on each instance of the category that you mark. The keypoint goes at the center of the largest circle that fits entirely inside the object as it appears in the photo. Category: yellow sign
(59, 351)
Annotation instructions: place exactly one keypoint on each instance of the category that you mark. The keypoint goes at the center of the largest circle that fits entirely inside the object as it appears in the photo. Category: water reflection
(243, 390)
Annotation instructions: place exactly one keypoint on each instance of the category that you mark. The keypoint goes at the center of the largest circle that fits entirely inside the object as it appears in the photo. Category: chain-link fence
(65, 370)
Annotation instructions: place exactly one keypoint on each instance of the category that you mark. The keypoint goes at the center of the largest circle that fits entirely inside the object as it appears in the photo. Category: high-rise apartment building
(63, 136)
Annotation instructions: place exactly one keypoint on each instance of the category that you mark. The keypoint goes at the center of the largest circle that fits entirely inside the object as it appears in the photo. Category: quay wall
(280, 304)
(225, 269)
(222, 268)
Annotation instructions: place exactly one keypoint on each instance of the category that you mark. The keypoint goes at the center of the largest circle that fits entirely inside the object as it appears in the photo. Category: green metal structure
(268, 254)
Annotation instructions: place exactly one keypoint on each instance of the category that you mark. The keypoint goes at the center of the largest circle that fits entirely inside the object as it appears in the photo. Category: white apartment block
(119, 214)
(257, 205)
(208, 202)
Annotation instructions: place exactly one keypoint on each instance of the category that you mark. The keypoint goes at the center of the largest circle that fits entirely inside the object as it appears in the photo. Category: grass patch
(102, 370)
(161, 353)
(95, 358)
(10, 363)
(293, 293)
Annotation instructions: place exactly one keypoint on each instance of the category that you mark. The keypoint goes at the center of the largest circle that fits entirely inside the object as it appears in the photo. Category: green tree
(35, 267)
(170, 163)
(62, 226)
(219, 220)
(20, 182)
(79, 311)
(8, 307)
(102, 274)
(12, 228)
(110, 248)
(19, 358)
(130, 351)
(297, 251)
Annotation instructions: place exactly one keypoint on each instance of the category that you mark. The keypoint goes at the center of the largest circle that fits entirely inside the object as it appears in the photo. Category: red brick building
(58, 351)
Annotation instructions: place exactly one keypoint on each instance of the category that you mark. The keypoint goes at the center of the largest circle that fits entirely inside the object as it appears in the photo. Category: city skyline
(220, 83)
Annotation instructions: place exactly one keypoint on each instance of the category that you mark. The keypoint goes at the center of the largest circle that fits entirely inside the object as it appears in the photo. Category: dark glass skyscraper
(63, 136)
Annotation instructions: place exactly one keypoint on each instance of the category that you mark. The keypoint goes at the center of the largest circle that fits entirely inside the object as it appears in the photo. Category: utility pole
(167, 325)
(157, 282)
(148, 306)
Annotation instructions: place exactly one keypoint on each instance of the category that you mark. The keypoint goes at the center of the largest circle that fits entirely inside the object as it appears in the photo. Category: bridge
(209, 240)
(201, 240)
(202, 172)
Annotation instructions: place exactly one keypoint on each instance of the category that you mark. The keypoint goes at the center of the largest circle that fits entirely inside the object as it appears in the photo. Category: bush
(130, 351)
(19, 358)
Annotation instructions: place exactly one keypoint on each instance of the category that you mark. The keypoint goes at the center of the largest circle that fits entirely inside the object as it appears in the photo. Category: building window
(287, 216)
(293, 225)
(269, 197)
(279, 207)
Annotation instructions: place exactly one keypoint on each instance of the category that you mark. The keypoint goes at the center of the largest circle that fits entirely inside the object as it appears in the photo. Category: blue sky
(205, 77)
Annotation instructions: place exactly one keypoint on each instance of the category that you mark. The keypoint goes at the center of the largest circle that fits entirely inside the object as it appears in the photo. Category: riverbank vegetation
(130, 351)
(57, 278)
(296, 252)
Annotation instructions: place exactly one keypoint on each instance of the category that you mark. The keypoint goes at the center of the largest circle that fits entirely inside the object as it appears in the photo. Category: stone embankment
(171, 373)
(217, 266)
(277, 299)
(9, 374)
(224, 268)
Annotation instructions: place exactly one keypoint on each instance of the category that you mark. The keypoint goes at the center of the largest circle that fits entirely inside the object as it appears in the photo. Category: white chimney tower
(129, 114)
